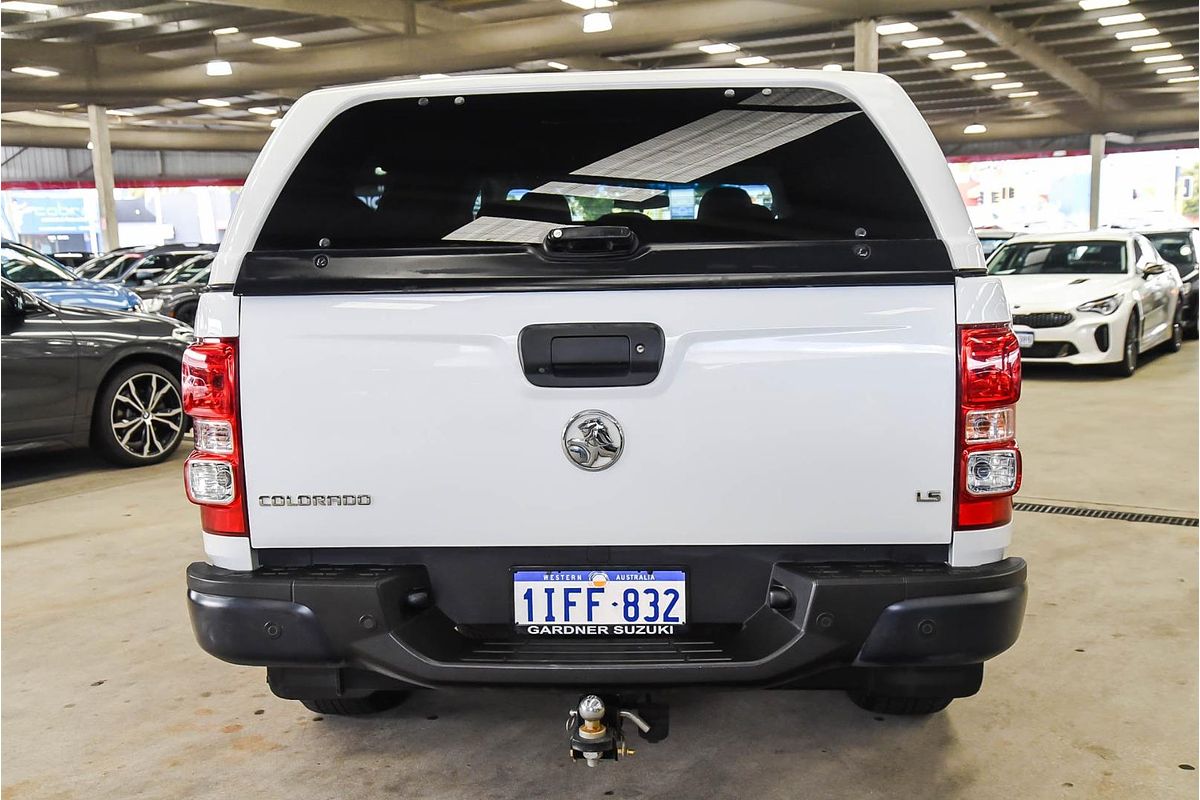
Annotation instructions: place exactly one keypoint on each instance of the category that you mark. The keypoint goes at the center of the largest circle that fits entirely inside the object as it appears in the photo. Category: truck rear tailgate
(799, 415)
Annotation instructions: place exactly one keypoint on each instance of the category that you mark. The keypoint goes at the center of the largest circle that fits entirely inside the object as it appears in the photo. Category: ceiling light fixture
(588, 5)
(1122, 19)
(1096, 5)
(26, 8)
(117, 112)
(213, 103)
(597, 22)
(1163, 59)
(944, 54)
(431, 75)
(277, 42)
(1018, 95)
(114, 16)
(752, 61)
(218, 68)
(999, 87)
(1169, 70)
(969, 65)
(264, 110)
(989, 76)
(36, 72)
(225, 31)
(928, 41)
(895, 27)
(557, 65)
(1140, 33)
(1141, 48)
(719, 48)
(832, 67)
(275, 123)
(1185, 79)
(975, 128)
(69, 106)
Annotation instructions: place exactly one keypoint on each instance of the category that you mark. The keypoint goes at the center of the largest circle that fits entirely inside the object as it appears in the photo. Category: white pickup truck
(610, 381)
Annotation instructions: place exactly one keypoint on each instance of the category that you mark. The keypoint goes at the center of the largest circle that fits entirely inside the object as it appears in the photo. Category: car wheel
(138, 418)
(187, 314)
(1175, 344)
(355, 706)
(1130, 351)
(904, 706)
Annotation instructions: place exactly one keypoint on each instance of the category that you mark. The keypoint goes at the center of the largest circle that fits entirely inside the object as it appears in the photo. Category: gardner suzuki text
(610, 381)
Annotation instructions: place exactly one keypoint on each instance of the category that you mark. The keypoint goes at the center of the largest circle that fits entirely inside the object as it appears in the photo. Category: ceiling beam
(1180, 117)
(1021, 44)
(134, 138)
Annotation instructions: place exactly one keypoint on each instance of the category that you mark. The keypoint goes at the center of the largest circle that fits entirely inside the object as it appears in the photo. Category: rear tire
(138, 416)
(1175, 343)
(187, 314)
(356, 706)
(899, 706)
(1130, 350)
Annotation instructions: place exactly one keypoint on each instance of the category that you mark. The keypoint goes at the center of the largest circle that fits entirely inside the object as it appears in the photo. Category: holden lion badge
(593, 440)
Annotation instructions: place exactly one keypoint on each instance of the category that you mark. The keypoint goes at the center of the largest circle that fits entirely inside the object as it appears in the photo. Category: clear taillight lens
(213, 436)
(992, 472)
(990, 425)
(210, 482)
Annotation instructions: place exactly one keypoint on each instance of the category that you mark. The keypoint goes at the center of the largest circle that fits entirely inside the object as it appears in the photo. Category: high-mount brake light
(989, 462)
(213, 472)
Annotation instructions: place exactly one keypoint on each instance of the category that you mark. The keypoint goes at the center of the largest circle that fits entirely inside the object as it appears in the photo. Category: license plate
(1024, 338)
(614, 602)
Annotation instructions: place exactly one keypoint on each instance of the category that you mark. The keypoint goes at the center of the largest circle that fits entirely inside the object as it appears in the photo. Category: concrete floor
(106, 695)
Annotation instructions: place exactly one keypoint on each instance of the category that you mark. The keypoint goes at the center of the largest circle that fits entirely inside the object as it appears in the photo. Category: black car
(78, 376)
(139, 267)
(176, 293)
(1179, 247)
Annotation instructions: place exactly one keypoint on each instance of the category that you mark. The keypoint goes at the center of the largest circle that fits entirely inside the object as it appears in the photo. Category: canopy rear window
(674, 166)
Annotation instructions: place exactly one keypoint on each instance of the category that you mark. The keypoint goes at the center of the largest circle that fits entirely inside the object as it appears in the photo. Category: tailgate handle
(591, 354)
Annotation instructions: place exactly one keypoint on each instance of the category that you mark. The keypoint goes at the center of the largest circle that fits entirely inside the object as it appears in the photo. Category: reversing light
(210, 482)
(213, 436)
(992, 472)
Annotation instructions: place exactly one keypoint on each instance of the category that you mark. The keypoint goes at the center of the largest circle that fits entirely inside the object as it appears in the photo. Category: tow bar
(594, 727)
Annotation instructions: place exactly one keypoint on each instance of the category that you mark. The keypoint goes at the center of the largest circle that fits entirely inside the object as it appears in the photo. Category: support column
(102, 171)
(866, 46)
(1096, 147)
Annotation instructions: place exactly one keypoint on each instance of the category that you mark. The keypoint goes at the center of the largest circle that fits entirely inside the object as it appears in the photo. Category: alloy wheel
(146, 415)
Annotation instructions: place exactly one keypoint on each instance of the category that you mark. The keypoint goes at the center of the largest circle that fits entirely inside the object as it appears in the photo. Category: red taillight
(213, 472)
(989, 463)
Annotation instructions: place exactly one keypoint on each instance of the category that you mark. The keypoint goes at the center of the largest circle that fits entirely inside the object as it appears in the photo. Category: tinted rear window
(679, 166)
(1174, 247)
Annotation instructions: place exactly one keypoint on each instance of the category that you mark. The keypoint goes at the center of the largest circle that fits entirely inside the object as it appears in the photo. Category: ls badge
(593, 440)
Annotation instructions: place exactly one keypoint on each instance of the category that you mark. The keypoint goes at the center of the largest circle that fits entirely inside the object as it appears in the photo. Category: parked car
(1099, 297)
(86, 376)
(101, 266)
(991, 238)
(73, 259)
(1179, 246)
(175, 293)
(498, 429)
(140, 267)
(48, 279)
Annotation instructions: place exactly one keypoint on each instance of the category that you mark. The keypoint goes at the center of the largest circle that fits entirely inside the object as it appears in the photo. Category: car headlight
(153, 305)
(1105, 305)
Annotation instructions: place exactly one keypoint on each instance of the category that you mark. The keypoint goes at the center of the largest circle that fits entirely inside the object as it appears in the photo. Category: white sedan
(1102, 297)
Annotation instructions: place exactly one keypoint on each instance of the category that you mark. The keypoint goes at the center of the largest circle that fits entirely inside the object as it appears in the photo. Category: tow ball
(594, 728)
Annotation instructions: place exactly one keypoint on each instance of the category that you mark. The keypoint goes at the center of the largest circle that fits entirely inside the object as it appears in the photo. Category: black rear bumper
(387, 622)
